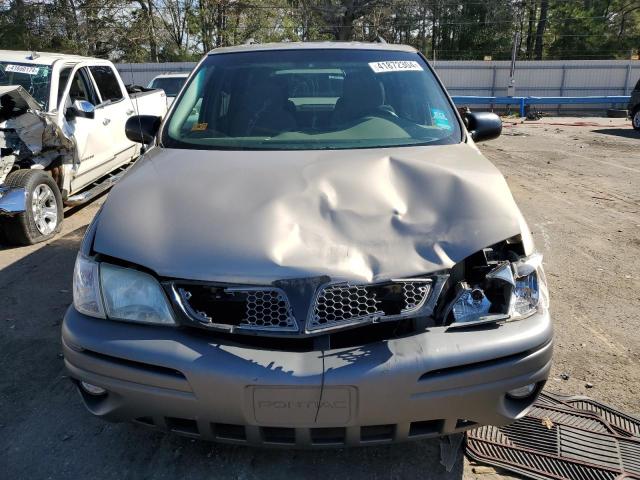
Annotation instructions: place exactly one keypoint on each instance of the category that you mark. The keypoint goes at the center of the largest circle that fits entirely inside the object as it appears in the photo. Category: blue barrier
(522, 102)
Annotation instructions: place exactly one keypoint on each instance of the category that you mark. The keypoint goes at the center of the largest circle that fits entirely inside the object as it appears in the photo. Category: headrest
(363, 88)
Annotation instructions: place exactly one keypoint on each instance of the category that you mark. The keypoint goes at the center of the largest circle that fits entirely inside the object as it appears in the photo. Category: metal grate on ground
(572, 438)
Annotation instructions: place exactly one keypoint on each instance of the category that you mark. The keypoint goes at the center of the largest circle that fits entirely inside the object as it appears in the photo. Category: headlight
(526, 295)
(470, 305)
(510, 291)
(86, 287)
(530, 293)
(132, 295)
(105, 290)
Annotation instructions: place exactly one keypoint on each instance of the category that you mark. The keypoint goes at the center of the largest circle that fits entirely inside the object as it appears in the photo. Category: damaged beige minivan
(313, 252)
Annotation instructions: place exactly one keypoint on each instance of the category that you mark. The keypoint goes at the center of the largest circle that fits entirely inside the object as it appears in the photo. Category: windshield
(170, 85)
(35, 79)
(312, 99)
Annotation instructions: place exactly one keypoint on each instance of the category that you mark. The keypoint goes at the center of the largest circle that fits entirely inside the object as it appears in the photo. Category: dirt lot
(579, 188)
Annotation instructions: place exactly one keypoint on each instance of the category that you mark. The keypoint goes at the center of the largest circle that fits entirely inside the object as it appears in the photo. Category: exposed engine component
(496, 284)
(29, 138)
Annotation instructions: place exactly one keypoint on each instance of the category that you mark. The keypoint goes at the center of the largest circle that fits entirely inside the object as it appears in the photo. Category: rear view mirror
(82, 109)
(142, 128)
(483, 125)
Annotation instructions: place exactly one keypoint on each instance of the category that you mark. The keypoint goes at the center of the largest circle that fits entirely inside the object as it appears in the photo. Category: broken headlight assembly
(502, 290)
(103, 290)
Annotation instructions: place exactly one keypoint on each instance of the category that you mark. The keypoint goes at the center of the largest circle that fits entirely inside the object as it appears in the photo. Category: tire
(635, 119)
(43, 216)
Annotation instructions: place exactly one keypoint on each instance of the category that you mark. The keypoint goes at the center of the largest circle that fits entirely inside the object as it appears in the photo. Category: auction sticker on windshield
(22, 69)
(440, 119)
(395, 66)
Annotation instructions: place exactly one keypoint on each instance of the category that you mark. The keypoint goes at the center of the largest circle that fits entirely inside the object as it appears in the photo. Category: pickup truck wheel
(635, 119)
(43, 216)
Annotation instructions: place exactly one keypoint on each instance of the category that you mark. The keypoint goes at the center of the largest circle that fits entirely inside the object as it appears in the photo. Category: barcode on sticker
(395, 66)
(22, 69)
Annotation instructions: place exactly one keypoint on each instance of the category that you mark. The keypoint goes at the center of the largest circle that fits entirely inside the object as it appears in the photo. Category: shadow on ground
(45, 432)
(619, 132)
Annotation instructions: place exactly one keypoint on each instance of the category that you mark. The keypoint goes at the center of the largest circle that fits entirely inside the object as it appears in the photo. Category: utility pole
(511, 88)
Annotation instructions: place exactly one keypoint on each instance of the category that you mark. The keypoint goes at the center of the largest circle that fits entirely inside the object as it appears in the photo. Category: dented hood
(260, 216)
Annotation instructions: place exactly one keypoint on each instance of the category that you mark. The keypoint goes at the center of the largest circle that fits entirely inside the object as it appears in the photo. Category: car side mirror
(483, 126)
(142, 128)
(82, 109)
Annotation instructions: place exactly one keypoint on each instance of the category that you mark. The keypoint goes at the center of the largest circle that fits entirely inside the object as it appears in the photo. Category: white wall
(574, 78)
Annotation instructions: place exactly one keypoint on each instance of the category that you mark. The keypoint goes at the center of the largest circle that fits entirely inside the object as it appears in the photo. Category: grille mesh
(250, 308)
(268, 309)
(338, 304)
(414, 294)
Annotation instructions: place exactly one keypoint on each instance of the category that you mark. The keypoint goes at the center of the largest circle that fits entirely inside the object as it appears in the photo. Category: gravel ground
(579, 188)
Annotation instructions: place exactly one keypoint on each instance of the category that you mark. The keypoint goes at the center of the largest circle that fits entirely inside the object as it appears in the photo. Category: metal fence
(552, 78)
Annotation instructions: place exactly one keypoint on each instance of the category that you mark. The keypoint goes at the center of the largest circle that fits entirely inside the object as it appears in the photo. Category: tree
(175, 15)
(148, 14)
(340, 15)
(542, 25)
(162, 30)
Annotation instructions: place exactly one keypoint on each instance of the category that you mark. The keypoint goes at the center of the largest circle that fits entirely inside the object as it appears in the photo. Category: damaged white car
(62, 137)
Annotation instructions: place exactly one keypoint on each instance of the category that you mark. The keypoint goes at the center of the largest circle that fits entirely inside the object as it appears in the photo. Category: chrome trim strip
(493, 318)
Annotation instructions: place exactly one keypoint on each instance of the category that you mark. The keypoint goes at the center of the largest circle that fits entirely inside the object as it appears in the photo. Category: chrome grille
(343, 304)
(243, 308)
(265, 308)
(415, 293)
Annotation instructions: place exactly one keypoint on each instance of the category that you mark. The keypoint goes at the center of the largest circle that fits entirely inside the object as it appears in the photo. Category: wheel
(635, 119)
(43, 216)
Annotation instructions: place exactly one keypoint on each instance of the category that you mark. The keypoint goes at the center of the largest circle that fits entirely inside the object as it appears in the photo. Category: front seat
(362, 95)
(264, 111)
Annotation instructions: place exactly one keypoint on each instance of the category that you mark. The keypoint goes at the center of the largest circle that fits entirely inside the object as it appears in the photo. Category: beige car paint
(259, 216)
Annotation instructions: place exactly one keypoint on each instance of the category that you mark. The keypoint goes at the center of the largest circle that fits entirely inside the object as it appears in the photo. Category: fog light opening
(92, 389)
(522, 392)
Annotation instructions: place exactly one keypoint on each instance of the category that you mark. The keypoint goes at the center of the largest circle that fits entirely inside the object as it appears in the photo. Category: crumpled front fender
(12, 200)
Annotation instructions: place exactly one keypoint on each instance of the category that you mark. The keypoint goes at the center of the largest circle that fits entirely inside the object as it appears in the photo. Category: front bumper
(12, 200)
(434, 383)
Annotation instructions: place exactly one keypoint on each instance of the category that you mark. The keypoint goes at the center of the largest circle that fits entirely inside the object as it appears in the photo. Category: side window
(194, 113)
(81, 88)
(107, 83)
(62, 82)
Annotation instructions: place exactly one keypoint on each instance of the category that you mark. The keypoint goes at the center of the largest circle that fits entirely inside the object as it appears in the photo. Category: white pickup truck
(62, 137)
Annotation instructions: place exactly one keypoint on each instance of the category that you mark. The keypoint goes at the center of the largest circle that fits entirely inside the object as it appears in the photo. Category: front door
(116, 108)
(90, 134)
